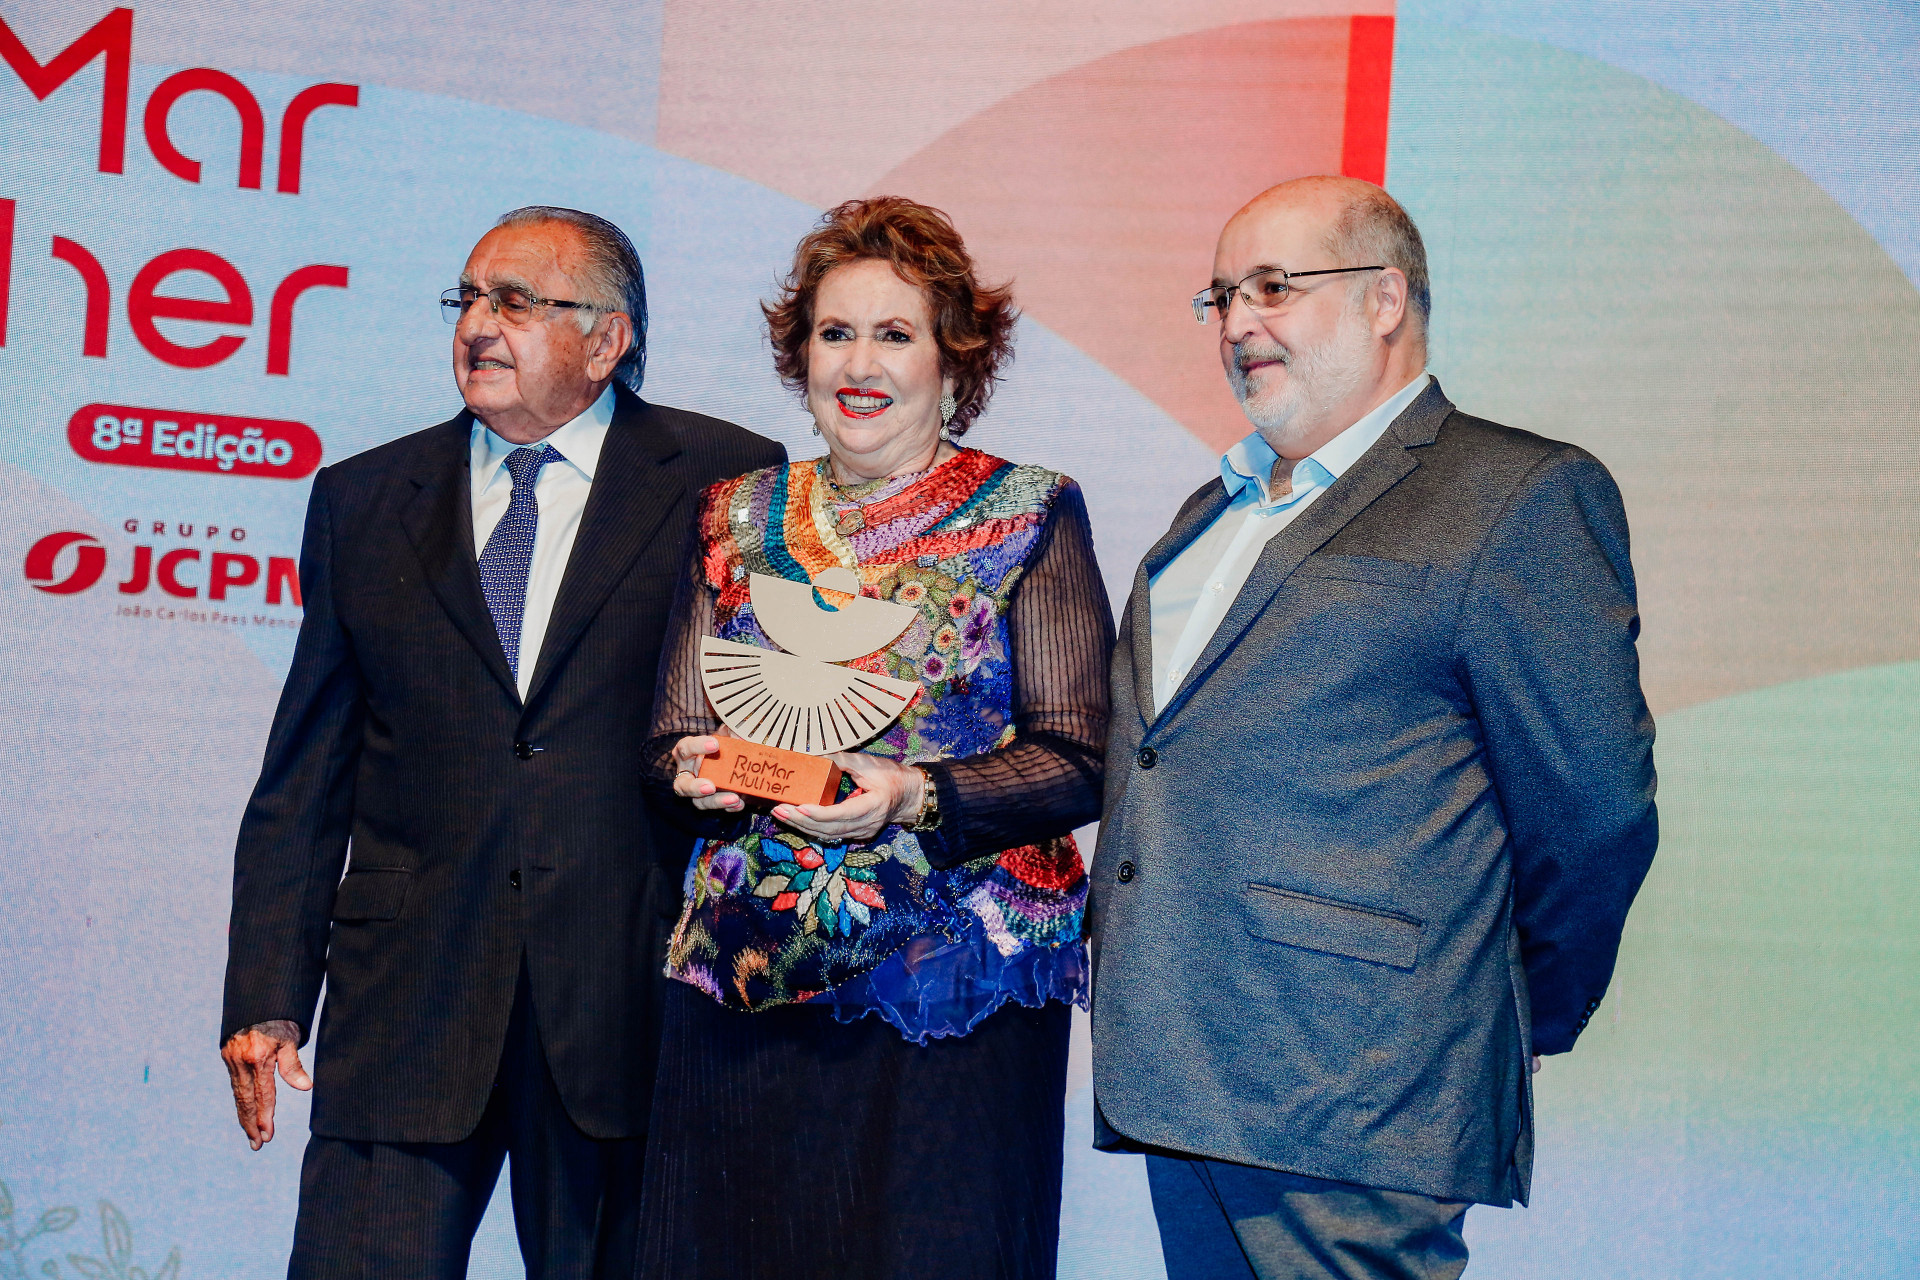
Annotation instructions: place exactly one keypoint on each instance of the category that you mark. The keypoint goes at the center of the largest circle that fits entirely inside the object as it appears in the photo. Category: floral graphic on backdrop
(114, 1262)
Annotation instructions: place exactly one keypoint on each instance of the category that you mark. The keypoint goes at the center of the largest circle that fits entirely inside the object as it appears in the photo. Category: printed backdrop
(1685, 236)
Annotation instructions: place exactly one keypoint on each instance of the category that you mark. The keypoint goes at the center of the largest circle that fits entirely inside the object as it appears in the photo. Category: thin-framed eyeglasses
(1263, 291)
(512, 305)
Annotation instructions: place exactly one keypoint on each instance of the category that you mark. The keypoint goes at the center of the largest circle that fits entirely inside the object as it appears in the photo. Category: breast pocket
(1403, 574)
(1331, 926)
(377, 893)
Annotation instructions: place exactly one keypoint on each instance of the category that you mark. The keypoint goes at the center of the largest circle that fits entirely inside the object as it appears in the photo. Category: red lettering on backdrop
(169, 570)
(93, 339)
(231, 569)
(280, 314)
(253, 126)
(144, 306)
(293, 126)
(283, 571)
(227, 570)
(172, 440)
(110, 38)
(142, 571)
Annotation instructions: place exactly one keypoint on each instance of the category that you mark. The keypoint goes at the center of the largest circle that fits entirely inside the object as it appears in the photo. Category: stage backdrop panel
(1682, 236)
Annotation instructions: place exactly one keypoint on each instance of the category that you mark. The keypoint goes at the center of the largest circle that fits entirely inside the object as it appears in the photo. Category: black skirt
(788, 1144)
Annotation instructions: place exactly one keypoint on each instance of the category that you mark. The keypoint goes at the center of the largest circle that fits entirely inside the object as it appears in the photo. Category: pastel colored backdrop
(1682, 236)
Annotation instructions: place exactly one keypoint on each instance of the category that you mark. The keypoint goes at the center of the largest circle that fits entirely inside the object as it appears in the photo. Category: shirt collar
(1250, 462)
(579, 442)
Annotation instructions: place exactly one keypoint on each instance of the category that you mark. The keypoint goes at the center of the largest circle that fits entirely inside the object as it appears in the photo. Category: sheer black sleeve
(1047, 781)
(680, 707)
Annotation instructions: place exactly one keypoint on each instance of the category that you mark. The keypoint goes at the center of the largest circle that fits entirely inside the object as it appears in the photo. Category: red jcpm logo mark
(181, 572)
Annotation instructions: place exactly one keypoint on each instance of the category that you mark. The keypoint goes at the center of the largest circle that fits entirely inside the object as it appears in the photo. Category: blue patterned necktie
(508, 557)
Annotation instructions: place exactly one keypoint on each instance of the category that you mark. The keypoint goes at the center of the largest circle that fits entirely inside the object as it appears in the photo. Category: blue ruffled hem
(932, 988)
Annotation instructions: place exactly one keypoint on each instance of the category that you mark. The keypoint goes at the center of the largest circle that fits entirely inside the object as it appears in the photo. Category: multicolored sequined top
(770, 917)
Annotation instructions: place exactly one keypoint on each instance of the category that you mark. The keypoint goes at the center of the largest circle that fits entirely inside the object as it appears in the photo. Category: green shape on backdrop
(1770, 976)
(1618, 266)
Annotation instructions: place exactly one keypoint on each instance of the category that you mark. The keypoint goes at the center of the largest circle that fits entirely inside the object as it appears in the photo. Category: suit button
(1148, 757)
(1125, 874)
(513, 877)
(524, 750)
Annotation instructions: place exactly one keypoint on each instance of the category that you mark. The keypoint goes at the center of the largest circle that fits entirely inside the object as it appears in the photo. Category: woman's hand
(687, 755)
(887, 792)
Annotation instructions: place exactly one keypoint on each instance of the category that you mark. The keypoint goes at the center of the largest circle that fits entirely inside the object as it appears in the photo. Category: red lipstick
(870, 404)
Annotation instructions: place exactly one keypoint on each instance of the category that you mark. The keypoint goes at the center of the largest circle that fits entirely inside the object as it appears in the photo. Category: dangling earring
(948, 407)
(816, 428)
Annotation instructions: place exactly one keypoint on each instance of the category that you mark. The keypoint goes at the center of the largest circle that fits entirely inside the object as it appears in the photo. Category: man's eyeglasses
(1263, 291)
(514, 306)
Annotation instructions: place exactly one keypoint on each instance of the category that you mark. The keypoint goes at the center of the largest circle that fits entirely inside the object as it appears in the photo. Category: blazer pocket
(1337, 928)
(376, 893)
(1383, 573)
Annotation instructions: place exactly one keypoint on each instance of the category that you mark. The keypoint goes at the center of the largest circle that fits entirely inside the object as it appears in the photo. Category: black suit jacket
(481, 828)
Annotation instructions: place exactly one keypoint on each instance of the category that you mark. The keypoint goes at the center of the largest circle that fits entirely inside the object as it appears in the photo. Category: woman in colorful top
(864, 1056)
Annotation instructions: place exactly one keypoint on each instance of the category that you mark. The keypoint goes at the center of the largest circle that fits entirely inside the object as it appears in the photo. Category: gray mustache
(1243, 355)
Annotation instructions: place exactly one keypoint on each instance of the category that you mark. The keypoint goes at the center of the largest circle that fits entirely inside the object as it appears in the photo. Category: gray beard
(1316, 377)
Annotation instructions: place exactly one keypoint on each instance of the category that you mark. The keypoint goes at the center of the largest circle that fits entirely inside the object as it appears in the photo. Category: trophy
(789, 710)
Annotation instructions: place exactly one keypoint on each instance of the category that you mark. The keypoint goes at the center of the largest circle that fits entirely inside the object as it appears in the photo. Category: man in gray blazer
(1379, 786)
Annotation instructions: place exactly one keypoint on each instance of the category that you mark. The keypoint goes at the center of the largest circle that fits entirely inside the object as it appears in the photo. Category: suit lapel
(1199, 511)
(1383, 465)
(438, 520)
(633, 492)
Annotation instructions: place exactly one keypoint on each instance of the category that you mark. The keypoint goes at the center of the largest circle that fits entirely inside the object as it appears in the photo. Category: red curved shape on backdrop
(1101, 190)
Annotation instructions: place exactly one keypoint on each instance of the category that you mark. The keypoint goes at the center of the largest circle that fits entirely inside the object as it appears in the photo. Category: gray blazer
(1380, 845)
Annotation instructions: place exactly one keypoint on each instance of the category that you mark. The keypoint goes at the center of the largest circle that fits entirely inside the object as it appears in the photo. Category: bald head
(1363, 224)
(1327, 317)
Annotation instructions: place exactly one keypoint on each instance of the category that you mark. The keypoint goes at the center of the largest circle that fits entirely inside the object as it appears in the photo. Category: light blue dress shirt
(1193, 591)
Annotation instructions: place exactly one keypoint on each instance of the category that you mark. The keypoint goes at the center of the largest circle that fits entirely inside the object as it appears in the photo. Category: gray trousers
(1221, 1221)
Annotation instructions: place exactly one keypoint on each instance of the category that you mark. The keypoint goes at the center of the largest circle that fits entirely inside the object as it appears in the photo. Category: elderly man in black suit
(467, 712)
(1379, 783)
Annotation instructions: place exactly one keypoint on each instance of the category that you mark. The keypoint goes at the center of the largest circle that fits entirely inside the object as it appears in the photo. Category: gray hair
(1374, 228)
(613, 280)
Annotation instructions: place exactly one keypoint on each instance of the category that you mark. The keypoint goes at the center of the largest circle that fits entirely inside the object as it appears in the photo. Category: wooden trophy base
(769, 773)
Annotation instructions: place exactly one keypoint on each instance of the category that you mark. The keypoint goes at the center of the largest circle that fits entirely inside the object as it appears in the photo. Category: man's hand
(1536, 1064)
(251, 1057)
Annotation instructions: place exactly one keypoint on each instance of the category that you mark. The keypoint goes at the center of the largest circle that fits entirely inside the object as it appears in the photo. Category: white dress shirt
(561, 492)
(1193, 591)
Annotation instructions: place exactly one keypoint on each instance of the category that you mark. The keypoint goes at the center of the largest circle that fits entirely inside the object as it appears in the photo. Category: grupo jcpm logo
(177, 560)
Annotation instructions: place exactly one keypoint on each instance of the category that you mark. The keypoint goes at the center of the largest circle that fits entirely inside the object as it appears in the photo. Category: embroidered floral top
(929, 931)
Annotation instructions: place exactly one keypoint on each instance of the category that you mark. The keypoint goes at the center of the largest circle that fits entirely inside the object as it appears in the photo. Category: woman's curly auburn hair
(972, 324)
